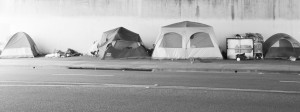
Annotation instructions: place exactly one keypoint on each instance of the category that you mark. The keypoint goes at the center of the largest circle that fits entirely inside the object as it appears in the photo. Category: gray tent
(281, 46)
(20, 45)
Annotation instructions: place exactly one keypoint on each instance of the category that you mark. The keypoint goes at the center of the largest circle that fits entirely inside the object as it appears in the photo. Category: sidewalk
(264, 66)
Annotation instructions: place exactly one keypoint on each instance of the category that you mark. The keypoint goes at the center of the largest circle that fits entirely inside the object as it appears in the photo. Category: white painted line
(291, 81)
(245, 90)
(83, 75)
(155, 86)
(125, 85)
(261, 73)
(202, 88)
(49, 83)
(34, 85)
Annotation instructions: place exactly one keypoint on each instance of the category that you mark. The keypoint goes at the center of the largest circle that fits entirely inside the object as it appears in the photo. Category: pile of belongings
(258, 41)
(258, 44)
(292, 58)
(61, 54)
(56, 54)
(257, 38)
(94, 49)
(241, 57)
(72, 53)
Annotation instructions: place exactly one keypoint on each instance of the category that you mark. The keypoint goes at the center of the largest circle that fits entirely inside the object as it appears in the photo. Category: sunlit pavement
(94, 63)
(34, 89)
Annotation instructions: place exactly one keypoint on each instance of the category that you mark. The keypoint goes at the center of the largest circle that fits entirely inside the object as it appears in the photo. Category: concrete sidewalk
(263, 66)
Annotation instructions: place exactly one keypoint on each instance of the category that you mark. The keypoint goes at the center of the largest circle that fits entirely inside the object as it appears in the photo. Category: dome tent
(281, 45)
(185, 40)
(20, 45)
(121, 43)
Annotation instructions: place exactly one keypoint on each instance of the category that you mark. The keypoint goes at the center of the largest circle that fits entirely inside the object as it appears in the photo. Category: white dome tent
(20, 45)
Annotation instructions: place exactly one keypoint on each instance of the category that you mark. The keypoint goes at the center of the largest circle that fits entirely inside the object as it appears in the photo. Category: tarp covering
(281, 46)
(121, 43)
(186, 40)
(20, 45)
(71, 53)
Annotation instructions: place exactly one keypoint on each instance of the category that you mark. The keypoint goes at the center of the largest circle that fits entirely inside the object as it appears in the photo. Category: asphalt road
(60, 90)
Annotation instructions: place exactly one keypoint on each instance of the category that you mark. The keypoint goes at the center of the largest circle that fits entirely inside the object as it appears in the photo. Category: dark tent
(121, 43)
(281, 46)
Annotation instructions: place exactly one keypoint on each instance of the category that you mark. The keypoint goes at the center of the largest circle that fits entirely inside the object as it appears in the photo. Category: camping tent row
(177, 41)
(181, 40)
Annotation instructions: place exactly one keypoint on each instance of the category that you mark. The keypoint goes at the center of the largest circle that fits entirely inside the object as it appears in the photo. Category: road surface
(60, 90)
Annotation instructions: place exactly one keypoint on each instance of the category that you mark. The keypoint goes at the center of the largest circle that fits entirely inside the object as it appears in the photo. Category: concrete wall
(62, 24)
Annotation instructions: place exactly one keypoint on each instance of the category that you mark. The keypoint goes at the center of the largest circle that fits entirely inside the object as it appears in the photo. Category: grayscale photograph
(149, 56)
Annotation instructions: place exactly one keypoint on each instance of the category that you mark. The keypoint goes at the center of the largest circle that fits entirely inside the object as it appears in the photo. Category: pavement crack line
(155, 86)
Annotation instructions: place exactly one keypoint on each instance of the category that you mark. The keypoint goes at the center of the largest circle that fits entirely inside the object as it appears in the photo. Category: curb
(188, 70)
(225, 70)
(121, 69)
(36, 66)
